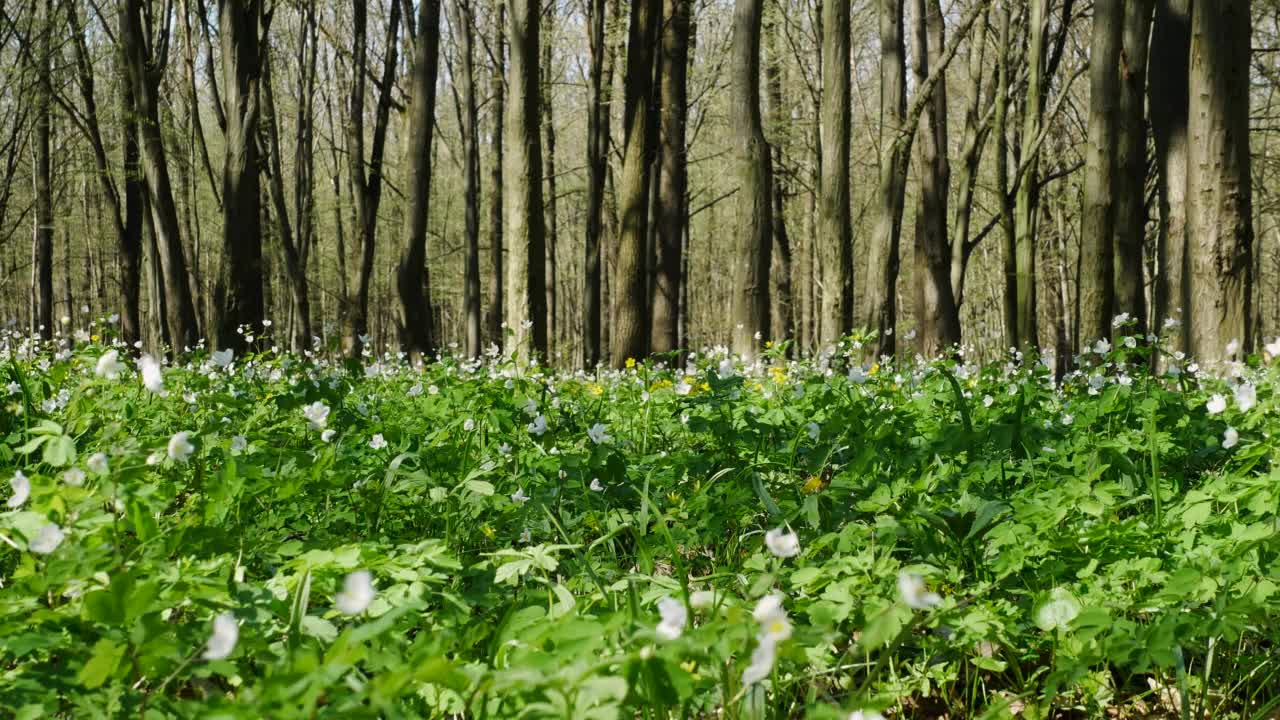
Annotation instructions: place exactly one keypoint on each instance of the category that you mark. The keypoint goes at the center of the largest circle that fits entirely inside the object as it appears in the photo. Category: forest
(628, 179)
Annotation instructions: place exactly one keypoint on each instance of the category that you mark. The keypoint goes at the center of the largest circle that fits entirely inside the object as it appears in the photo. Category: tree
(145, 53)
(1219, 193)
(597, 167)
(464, 28)
(1131, 162)
(413, 280)
(835, 229)
(526, 293)
(238, 294)
(366, 175)
(672, 210)
(1168, 91)
(750, 313)
(781, 321)
(42, 255)
(1097, 281)
(937, 314)
(497, 88)
(630, 331)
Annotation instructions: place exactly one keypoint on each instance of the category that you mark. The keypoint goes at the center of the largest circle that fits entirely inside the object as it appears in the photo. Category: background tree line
(595, 180)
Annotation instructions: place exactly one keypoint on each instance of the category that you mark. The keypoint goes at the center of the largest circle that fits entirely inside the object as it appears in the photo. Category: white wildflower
(152, 377)
(180, 447)
(518, 497)
(674, 617)
(357, 593)
(47, 539)
(782, 543)
(97, 463)
(109, 365)
(1230, 438)
(914, 593)
(1216, 404)
(21, 490)
(223, 640)
(1246, 396)
(73, 477)
(598, 434)
(317, 413)
(378, 442)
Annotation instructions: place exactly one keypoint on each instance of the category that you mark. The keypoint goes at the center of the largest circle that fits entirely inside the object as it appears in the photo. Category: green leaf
(60, 451)
(105, 659)
(479, 487)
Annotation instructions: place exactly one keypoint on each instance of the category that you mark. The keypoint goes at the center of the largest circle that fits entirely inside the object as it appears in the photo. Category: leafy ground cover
(278, 536)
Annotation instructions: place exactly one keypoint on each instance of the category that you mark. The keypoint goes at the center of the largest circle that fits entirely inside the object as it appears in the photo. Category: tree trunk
(782, 322)
(1131, 162)
(366, 183)
(526, 293)
(413, 279)
(497, 263)
(1097, 278)
(552, 215)
(755, 195)
(42, 255)
(1027, 200)
(598, 117)
(673, 178)
(630, 331)
(1219, 194)
(144, 77)
(879, 299)
(937, 315)
(464, 27)
(238, 294)
(1168, 91)
(981, 98)
(835, 228)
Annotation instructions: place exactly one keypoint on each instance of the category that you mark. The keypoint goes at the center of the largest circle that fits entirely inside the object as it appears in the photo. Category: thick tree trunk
(755, 195)
(672, 215)
(1097, 278)
(238, 294)
(597, 166)
(630, 331)
(497, 88)
(937, 315)
(981, 98)
(144, 77)
(1219, 194)
(526, 293)
(879, 306)
(835, 227)
(464, 28)
(413, 279)
(1131, 161)
(1168, 92)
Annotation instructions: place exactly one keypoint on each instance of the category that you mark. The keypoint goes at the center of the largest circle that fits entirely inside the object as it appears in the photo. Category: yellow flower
(704, 387)
(778, 374)
(875, 367)
(631, 363)
(94, 338)
(488, 531)
(661, 384)
(595, 390)
(768, 344)
(812, 485)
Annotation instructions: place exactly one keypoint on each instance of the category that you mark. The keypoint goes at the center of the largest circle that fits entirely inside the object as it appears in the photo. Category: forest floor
(275, 536)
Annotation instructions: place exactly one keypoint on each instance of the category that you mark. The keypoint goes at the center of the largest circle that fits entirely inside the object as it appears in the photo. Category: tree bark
(238, 294)
(1168, 91)
(1131, 161)
(630, 331)
(145, 71)
(413, 279)
(781, 322)
(1097, 278)
(1219, 194)
(937, 315)
(526, 294)
(552, 214)
(366, 182)
(879, 299)
(672, 216)
(42, 255)
(497, 263)
(755, 195)
(835, 226)
(464, 28)
(1027, 198)
(598, 117)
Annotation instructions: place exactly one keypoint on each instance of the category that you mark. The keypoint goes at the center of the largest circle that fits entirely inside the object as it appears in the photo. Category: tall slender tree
(238, 293)
(1168, 90)
(630, 331)
(497, 134)
(937, 314)
(413, 280)
(835, 233)
(755, 177)
(464, 31)
(1131, 161)
(42, 238)
(525, 228)
(672, 209)
(1097, 281)
(597, 166)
